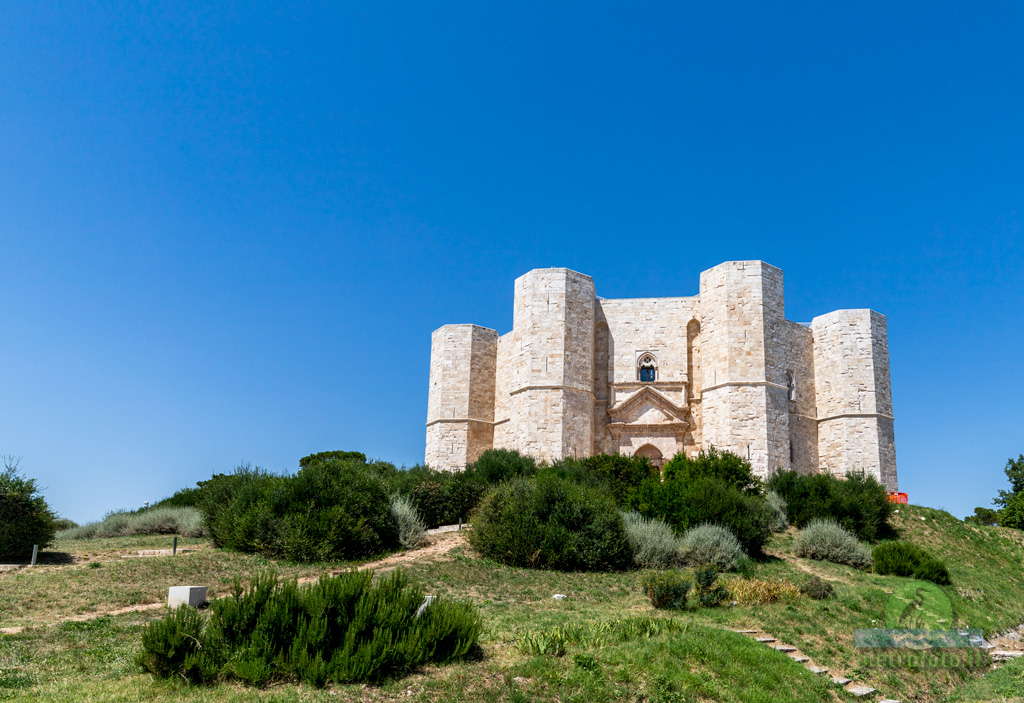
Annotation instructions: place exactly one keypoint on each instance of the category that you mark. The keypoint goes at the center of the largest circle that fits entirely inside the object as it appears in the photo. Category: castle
(581, 375)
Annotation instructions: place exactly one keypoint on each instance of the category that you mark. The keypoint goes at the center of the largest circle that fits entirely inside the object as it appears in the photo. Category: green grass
(1004, 685)
(694, 659)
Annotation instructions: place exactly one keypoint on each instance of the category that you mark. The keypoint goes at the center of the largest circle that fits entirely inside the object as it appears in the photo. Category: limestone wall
(853, 394)
(460, 400)
(803, 422)
(551, 375)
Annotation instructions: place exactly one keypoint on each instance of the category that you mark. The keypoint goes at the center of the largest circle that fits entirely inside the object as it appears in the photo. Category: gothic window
(647, 369)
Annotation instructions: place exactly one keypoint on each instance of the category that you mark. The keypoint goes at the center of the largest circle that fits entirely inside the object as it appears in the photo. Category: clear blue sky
(228, 232)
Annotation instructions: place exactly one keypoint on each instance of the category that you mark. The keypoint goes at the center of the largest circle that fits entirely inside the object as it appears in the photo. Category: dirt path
(439, 545)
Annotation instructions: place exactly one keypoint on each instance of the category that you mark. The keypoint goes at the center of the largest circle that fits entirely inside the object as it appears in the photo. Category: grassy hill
(617, 647)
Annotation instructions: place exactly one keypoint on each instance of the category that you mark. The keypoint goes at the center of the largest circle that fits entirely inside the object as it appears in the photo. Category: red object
(900, 498)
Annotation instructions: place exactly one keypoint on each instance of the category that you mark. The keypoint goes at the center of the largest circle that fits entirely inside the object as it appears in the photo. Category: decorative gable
(648, 410)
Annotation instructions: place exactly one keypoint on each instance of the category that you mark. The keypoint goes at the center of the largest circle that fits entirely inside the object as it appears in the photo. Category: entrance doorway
(652, 453)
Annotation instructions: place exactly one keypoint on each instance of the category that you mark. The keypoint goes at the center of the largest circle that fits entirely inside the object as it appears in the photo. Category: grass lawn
(696, 659)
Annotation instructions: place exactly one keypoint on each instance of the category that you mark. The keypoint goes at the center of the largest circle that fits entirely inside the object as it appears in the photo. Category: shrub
(860, 504)
(332, 509)
(710, 593)
(550, 523)
(185, 498)
(441, 497)
(496, 465)
(983, 516)
(906, 559)
(320, 457)
(712, 463)
(687, 503)
(620, 476)
(654, 544)
(817, 588)
(778, 507)
(25, 518)
(761, 591)
(63, 523)
(341, 629)
(411, 531)
(826, 540)
(710, 544)
(667, 589)
(187, 522)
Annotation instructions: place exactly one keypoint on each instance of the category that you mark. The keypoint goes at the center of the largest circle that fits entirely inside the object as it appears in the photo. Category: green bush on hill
(551, 523)
(332, 509)
(906, 559)
(860, 504)
(25, 518)
(619, 476)
(724, 466)
(341, 629)
(688, 502)
(827, 540)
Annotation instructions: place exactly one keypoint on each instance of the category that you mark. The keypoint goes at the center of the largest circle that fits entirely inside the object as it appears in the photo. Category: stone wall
(732, 372)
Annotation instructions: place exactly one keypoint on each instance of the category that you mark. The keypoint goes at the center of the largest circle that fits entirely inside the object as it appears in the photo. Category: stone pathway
(853, 688)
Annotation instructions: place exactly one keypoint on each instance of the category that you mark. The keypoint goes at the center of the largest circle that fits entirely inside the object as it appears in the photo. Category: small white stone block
(186, 595)
(559, 596)
(860, 690)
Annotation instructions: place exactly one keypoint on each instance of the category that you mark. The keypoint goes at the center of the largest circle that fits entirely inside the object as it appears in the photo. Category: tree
(983, 516)
(1012, 515)
(1015, 473)
(25, 518)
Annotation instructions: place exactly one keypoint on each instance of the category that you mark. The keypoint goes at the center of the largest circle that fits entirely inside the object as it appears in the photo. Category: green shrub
(332, 509)
(550, 523)
(817, 588)
(827, 540)
(860, 504)
(620, 476)
(983, 516)
(687, 503)
(496, 465)
(906, 559)
(710, 592)
(411, 531)
(777, 505)
(711, 463)
(667, 589)
(341, 629)
(25, 518)
(710, 544)
(185, 498)
(63, 523)
(187, 522)
(320, 457)
(654, 543)
(440, 497)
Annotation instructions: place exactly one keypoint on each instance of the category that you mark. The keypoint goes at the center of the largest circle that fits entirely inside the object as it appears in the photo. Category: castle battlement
(579, 375)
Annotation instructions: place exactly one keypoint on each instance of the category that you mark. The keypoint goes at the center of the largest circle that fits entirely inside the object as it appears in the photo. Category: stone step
(798, 658)
(746, 632)
(1005, 654)
(765, 640)
(860, 690)
(784, 647)
(815, 669)
(888, 700)
(840, 680)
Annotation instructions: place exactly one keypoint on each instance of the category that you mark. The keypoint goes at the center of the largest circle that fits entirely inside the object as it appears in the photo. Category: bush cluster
(341, 629)
(817, 588)
(551, 523)
(411, 530)
(654, 543)
(25, 518)
(715, 464)
(332, 509)
(827, 540)
(906, 559)
(860, 504)
(711, 545)
(710, 592)
(619, 476)
(667, 589)
(187, 522)
(687, 503)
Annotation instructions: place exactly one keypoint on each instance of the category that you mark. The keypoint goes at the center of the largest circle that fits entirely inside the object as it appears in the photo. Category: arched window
(652, 453)
(790, 385)
(647, 368)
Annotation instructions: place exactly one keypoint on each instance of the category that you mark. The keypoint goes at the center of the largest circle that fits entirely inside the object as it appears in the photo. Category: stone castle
(581, 375)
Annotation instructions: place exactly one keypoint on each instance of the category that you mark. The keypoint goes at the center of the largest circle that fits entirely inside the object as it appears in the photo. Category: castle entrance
(652, 453)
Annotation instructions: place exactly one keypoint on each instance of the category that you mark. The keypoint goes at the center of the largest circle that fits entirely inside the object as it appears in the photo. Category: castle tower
(551, 394)
(854, 395)
(744, 402)
(460, 403)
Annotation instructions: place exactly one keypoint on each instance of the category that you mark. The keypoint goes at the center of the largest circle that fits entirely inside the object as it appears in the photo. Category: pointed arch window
(647, 368)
